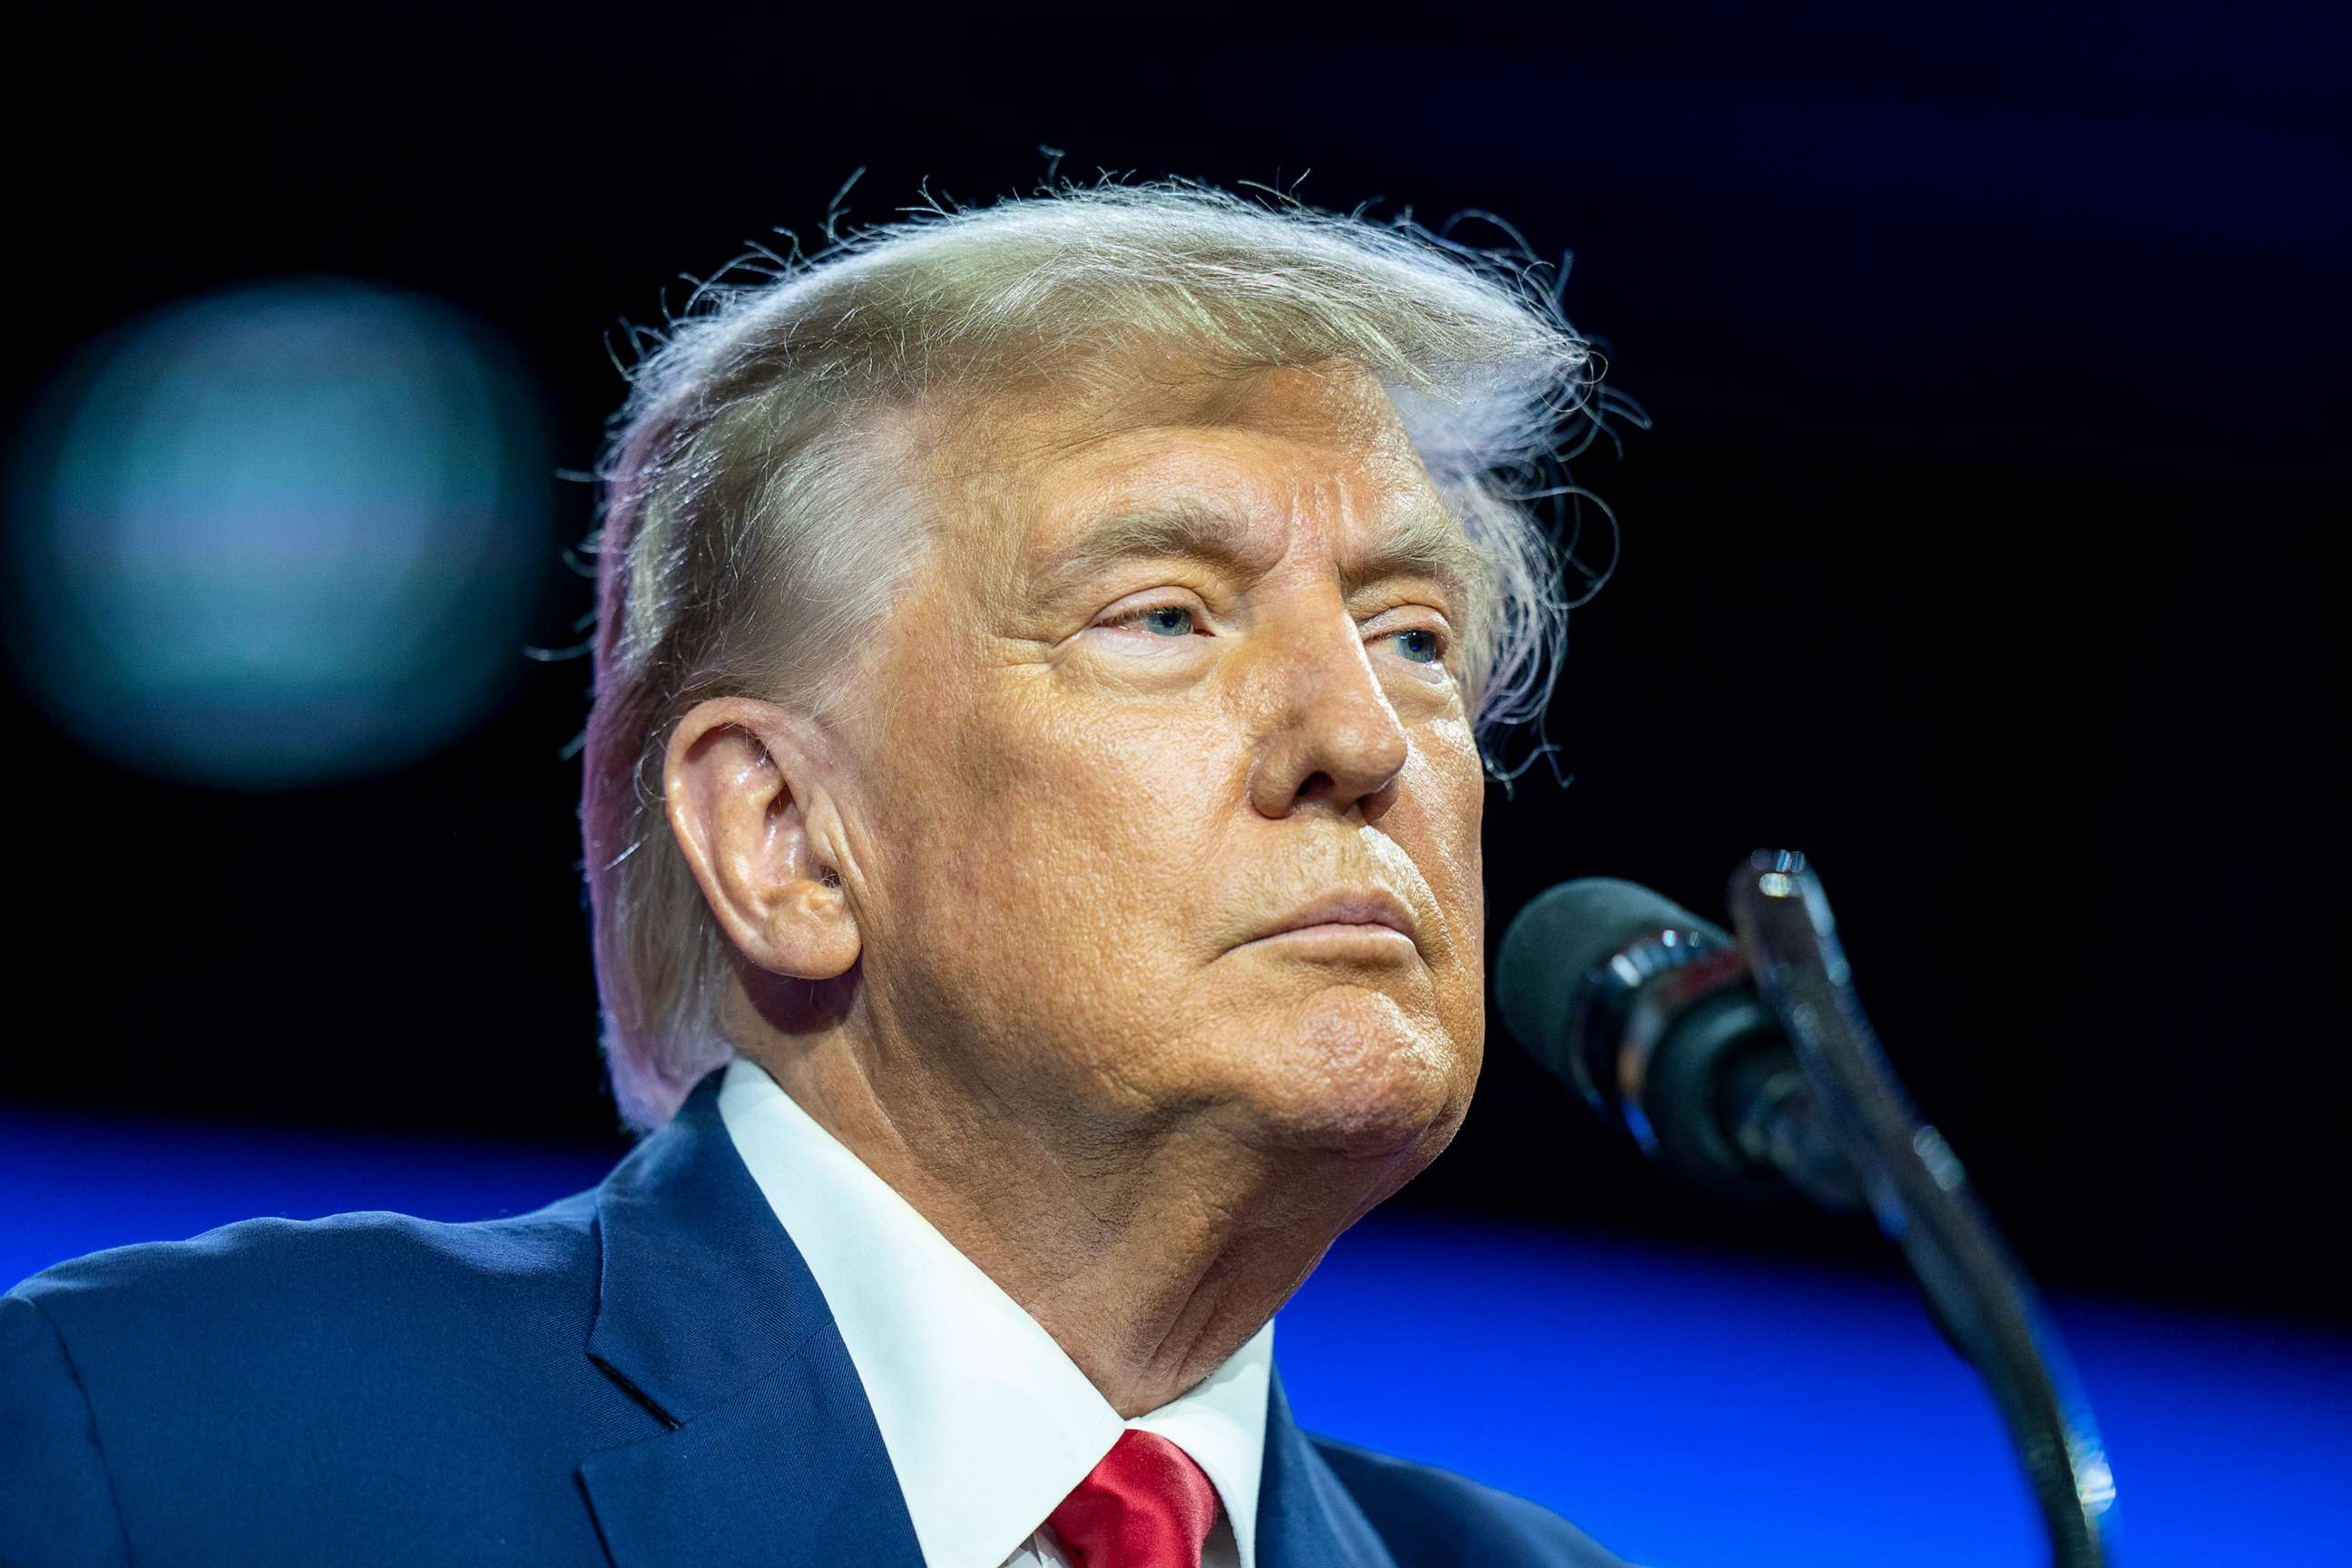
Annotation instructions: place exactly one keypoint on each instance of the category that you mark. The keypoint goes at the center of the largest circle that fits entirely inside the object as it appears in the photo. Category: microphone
(1748, 1066)
(1650, 1012)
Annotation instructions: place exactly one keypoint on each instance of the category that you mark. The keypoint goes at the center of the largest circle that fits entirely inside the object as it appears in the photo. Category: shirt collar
(988, 1422)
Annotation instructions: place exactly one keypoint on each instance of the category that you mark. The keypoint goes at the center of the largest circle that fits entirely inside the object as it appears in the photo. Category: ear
(742, 783)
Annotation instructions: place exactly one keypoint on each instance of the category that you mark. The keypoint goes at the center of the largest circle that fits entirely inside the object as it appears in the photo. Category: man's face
(1108, 760)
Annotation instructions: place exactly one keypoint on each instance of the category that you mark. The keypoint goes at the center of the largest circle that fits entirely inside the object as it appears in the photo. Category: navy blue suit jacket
(643, 1373)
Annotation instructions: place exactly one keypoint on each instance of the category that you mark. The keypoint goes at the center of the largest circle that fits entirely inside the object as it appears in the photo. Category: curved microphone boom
(1748, 1066)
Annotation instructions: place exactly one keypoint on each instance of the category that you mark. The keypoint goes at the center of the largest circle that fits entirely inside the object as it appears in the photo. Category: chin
(1357, 1074)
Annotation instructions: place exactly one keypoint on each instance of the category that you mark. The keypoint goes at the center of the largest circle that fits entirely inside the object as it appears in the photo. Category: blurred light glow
(278, 536)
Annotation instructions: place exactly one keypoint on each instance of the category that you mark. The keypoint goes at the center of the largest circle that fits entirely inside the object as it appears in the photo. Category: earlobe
(811, 933)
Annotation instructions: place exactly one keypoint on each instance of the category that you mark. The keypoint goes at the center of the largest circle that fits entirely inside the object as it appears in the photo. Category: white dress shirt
(988, 1422)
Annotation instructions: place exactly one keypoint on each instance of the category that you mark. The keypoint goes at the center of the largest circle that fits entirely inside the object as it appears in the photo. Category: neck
(1150, 1256)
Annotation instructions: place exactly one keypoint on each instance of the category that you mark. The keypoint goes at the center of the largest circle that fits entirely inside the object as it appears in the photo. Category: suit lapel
(1305, 1519)
(769, 1457)
(707, 1314)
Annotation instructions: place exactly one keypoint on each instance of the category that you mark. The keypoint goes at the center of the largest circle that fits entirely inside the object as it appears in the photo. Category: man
(1031, 806)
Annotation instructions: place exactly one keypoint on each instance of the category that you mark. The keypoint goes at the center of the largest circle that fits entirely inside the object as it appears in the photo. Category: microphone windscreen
(1563, 934)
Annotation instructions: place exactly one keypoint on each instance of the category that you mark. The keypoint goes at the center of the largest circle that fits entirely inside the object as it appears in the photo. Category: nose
(1335, 741)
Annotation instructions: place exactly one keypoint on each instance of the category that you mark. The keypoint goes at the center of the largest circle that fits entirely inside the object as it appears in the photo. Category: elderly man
(1032, 808)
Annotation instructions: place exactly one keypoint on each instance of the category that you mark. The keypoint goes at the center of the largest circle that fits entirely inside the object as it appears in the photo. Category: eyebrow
(1421, 542)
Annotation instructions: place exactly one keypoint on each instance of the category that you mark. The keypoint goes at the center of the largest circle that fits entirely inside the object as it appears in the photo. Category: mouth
(1369, 920)
(1385, 941)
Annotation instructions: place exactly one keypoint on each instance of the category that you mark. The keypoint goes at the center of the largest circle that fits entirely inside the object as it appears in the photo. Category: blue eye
(1424, 651)
(1165, 620)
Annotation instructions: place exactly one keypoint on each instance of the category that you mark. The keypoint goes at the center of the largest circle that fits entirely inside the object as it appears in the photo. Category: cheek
(1058, 866)
(1080, 828)
(1442, 807)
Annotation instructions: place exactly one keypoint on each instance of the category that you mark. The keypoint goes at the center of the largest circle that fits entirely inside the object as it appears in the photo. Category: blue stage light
(281, 535)
(1688, 1410)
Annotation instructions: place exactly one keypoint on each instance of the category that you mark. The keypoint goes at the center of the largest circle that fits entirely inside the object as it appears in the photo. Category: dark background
(1996, 361)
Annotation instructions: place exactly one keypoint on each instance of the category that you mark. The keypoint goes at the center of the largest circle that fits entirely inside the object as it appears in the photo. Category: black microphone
(1650, 1014)
(1657, 1019)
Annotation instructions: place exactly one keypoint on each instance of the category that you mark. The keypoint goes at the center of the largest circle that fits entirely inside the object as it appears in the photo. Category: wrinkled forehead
(1027, 474)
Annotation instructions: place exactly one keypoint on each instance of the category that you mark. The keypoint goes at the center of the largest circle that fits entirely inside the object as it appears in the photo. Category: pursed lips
(1361, 911)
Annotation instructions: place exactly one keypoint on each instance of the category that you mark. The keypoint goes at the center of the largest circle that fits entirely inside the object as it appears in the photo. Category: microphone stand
(1921, 1196)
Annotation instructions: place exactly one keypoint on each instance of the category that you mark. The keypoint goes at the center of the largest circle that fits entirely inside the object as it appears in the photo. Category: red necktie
(1147, 1505)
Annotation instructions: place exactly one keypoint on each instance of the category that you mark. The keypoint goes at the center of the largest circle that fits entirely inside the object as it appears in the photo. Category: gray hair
(754, 524)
